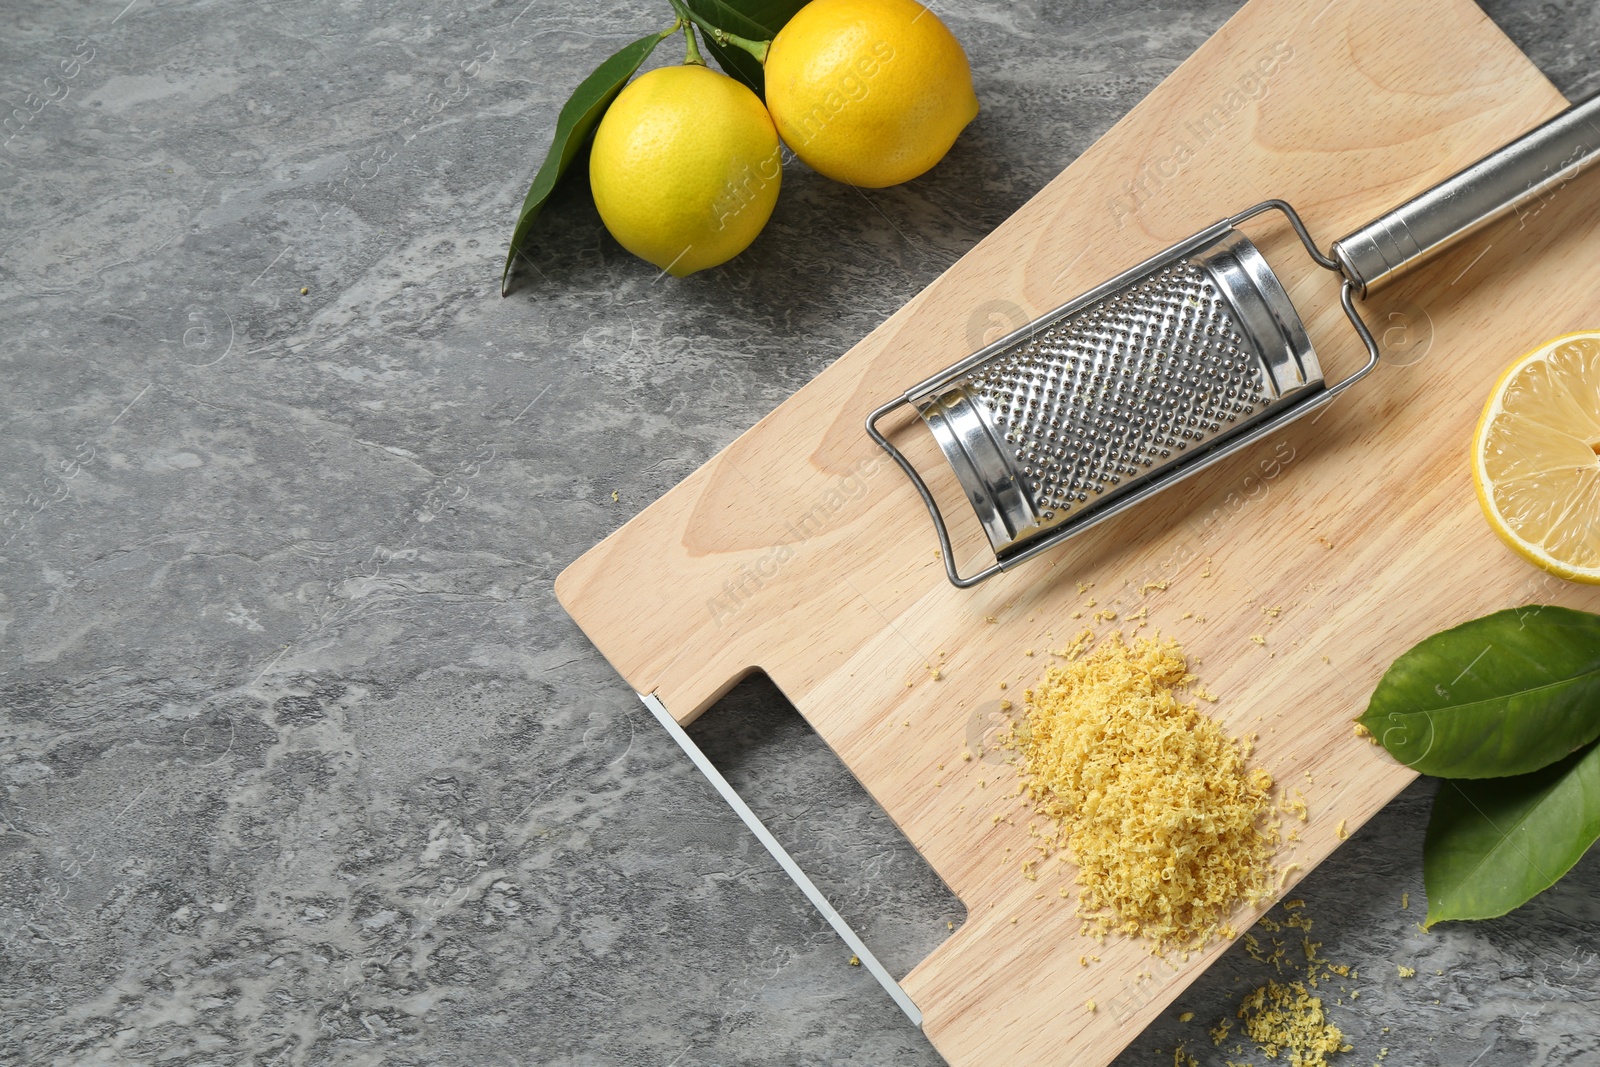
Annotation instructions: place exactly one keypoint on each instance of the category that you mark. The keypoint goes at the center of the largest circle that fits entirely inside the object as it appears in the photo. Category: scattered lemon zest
(1283, 1016)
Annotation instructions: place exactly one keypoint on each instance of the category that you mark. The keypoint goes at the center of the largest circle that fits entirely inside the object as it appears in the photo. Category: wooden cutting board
(802, 552)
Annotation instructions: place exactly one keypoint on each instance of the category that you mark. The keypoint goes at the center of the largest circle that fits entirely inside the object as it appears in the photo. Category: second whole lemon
(870, 92)
(685, 168)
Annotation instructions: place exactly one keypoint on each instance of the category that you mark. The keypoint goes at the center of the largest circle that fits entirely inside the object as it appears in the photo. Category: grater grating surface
(1122, 386)
(1136, 384)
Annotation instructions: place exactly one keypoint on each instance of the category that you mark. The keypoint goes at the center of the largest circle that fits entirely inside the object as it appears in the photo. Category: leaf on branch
(1494, 844)
(1501, 695)
(578, 118)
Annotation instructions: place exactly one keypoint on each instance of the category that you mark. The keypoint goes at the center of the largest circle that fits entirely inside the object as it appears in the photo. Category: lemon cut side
(1536, 457)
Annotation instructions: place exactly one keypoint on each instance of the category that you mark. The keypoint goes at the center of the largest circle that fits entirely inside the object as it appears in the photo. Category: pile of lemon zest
(1169, 828)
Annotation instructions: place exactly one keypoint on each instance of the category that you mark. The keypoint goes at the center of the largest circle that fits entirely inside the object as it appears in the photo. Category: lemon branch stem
(758, 49)
(692, 51)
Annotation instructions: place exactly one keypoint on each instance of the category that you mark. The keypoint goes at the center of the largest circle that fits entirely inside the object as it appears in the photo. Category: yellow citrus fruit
(1536, 457)
(870, 92)
(685, 168)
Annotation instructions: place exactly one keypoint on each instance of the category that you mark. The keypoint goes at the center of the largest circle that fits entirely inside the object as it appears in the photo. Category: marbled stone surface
(302, 763)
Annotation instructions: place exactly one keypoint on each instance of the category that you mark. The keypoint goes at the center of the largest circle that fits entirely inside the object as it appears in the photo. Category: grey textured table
(302, 762)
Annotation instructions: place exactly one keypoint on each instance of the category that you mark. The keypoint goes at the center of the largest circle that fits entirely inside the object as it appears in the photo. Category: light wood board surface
(801, 551)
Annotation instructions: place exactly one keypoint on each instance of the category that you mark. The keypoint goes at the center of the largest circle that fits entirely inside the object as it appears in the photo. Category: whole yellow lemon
(870, 92)
(685, 168)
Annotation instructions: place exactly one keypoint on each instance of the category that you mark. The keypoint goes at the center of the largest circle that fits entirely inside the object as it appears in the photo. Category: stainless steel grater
(1184, 359)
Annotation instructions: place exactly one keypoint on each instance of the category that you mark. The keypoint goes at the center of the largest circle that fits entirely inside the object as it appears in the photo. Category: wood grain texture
(801, 551)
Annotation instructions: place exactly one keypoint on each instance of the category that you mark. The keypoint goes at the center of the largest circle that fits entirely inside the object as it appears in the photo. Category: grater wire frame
(1177, 472)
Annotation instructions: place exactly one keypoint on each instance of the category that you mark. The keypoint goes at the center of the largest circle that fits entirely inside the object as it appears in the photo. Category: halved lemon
(1536, 457)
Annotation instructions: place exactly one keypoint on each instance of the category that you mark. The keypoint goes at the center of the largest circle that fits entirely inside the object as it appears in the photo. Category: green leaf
(755, 20)
(1493, 845)
(1501, 695)
(578, 118)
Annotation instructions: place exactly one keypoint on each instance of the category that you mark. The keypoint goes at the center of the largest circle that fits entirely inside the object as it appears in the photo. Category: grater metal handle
(1531, 168)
